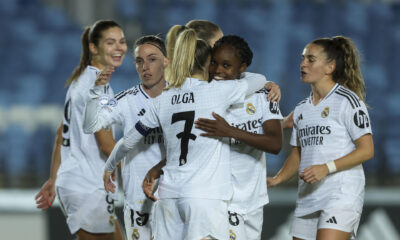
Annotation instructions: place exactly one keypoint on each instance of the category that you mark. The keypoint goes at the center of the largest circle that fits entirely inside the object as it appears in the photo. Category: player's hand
(103, 77)
(274, 94)
(109, 179)
(149, 182)
(45, 197)
(272, 181)
(314, 173)
(217, 127)
(288, 121)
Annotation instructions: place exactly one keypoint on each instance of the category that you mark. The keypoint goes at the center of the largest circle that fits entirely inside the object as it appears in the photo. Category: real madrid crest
(232, 235)
(111, 220)
(325, 113)
(250, 109)
(135, 234)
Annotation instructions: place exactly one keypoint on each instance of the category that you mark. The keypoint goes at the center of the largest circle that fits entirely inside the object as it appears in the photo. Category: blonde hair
(345, 54)
(190, 57)
(204, 29)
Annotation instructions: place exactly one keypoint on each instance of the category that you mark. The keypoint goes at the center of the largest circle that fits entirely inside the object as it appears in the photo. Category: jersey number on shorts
(186, 135)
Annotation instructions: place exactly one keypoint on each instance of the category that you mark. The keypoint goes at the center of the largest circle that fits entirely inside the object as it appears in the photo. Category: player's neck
(156, 89)
(320, 90)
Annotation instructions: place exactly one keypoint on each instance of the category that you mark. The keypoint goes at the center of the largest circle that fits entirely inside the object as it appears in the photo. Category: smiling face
(150, 64)
(314, 65)
(226, 64)
(110, 50)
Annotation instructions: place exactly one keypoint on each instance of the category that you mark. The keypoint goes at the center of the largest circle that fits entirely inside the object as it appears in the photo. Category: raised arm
(97, 114)
(45, 197)
(255, 82)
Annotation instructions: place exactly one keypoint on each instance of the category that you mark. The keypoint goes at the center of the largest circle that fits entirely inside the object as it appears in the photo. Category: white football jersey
(249, 169)
(196, 166)
(82, 162)
(126, 108)
(326, 132)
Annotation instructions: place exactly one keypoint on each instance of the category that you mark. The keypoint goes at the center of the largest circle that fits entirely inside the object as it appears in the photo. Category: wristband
(331, 166)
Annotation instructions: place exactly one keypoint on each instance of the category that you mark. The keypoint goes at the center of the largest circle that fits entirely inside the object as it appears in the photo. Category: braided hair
(241, 47)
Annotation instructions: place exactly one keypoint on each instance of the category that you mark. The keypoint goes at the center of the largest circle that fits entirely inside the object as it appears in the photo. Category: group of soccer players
(194, 143)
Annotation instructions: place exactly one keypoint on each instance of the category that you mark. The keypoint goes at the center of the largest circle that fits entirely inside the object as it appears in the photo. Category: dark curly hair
(241, 47)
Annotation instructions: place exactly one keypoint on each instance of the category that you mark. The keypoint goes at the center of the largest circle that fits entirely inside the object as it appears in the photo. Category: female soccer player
(196, 184)
(254, 128)
(88, 209)
(331, 138)
(125, 109)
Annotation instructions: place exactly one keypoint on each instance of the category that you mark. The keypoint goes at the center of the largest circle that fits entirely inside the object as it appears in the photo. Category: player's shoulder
(263, 92)
(303, 102)
(131, 92)
(342, 94)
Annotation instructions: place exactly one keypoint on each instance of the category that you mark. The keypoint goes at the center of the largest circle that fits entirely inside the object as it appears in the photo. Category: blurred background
(41, 46)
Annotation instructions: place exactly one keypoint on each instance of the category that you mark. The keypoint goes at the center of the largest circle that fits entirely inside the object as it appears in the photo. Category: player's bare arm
(150, 178)
(289, 169)
(44, 199)
(274, 91)
(270, 141)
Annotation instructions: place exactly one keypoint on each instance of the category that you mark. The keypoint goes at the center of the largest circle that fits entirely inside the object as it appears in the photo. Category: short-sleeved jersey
(82, 162)
(326, 132)
(126, 108)
(197, 166)
(249, 169)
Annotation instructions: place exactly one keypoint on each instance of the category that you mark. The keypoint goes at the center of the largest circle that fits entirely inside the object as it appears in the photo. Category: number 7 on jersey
(186, 135)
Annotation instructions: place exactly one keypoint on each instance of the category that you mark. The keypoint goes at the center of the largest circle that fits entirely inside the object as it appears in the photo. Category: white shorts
(190, 219)
(92, 212)
(137, 224)
(246, 226)
(306, 227)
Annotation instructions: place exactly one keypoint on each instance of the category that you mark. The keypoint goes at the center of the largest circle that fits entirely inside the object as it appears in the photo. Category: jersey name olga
(182, 98)
(313, 135)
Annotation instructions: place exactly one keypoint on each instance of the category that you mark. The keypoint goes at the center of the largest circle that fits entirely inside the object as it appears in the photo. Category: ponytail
(85, 58)
(347, 71)
(190, 57)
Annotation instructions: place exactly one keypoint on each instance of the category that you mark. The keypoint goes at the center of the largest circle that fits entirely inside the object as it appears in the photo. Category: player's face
(150, 64)
(314, 65)
(216, 37)
(111, 48)
(225, 64)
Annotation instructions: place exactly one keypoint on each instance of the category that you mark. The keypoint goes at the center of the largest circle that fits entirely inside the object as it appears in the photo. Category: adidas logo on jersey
(332, 220)
(142, 112)
(300, 117)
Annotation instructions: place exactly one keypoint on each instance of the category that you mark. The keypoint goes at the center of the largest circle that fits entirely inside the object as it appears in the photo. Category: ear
(330, 67)
(243, 67)
(166, 62)
(93, 48)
